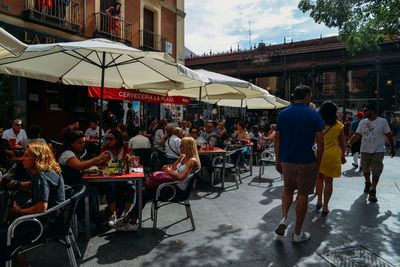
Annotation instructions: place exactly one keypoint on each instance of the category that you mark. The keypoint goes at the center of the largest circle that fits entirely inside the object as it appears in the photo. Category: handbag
(157, 178)
(315, 146)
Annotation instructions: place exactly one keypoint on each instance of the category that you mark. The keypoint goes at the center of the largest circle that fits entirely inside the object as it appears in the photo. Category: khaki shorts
(372, 162)
(300, 176)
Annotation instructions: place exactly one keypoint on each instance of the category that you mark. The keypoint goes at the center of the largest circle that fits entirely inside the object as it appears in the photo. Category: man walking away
(372, 130)
(297, 128)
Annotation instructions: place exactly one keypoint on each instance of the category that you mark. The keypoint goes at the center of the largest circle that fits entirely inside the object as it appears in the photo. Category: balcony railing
(149, 41)
(60, 14)
(112, 28)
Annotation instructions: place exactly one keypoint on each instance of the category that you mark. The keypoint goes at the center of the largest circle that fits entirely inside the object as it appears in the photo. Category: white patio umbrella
(219, 86)
(9, 45)
(101, 63)
(263, 102)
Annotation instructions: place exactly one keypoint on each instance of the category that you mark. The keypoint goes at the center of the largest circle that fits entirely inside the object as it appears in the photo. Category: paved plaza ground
(236, 228)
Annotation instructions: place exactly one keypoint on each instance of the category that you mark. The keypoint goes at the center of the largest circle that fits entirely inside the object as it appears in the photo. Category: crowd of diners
(46, 169)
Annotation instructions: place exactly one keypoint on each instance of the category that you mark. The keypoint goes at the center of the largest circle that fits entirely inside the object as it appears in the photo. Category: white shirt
(94, 133)
(65, 156)
(158, 136)
(186, 132)
(172, 147)
(373, 135)
(9, 134)
(139, 141)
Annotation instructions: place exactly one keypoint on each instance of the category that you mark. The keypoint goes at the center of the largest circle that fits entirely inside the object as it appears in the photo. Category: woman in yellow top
(333, 157)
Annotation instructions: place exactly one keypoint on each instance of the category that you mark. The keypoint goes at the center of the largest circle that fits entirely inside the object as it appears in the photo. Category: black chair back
(188, 191)
(235, 156)
(145, 156)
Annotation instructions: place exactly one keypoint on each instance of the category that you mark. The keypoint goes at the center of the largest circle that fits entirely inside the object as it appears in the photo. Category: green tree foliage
(362, 24)
(7, 102)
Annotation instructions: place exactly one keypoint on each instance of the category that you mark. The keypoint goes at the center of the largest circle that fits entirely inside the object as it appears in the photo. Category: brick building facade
(156, 25)
(323, 64)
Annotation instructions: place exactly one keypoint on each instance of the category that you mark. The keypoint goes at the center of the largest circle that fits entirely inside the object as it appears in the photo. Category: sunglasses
(19, 125)
(110, 138)
(366, 110)
(195, 132)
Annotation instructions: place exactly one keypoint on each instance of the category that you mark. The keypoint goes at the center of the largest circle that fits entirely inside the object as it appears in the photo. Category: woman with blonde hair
(47, 187)
(180, 170)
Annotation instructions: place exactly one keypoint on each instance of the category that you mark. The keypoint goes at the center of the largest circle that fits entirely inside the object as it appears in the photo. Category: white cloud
(218, 25)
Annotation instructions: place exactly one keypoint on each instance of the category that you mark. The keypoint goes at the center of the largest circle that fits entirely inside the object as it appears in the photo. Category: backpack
(157, 178)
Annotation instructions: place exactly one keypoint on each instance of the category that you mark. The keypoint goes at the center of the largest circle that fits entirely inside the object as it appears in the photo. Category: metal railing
(151, 41)
(113, 28)
(61, 14)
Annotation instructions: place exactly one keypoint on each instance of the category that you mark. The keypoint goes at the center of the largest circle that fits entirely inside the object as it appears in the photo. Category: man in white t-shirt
(16, 132)
(373, 131)
(93, 130)
(138, 140)
(185, 129)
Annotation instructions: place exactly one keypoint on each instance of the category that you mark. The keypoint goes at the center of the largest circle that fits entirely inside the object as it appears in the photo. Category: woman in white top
(180, 170)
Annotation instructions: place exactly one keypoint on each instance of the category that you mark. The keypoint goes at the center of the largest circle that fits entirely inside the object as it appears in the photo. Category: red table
(91, 140)
(139, 176)
(215, 151)
(16, 146)
(15, 159)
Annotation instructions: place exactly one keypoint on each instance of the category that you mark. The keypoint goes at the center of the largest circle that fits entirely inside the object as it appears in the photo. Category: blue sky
(218, 25)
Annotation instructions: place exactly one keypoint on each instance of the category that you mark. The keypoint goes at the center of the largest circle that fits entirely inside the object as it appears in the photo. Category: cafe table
(250, 145)
(216, 151)
(131, 176)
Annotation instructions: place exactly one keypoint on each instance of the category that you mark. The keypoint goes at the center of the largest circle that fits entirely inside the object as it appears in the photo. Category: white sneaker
(127, 227)
(112, 222)
(280, 230)
(304, 236)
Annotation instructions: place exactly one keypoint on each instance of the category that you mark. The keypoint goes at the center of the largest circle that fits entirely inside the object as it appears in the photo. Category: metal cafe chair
(54, 226)
(183, 200)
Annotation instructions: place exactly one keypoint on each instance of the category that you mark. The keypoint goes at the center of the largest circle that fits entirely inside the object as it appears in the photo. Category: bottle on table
(127, 164)
(120, 168)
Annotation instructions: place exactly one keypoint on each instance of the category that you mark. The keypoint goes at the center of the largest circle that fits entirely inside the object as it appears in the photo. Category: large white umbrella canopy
(263, 102)
(219, 86)
(100, 62)
(9, 45)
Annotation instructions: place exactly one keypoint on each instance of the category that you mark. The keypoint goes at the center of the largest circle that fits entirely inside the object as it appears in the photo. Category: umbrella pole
(103, 69)
(200, 111)
(241, 109)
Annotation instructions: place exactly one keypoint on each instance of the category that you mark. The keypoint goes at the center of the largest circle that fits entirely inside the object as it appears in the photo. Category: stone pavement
(236, 228)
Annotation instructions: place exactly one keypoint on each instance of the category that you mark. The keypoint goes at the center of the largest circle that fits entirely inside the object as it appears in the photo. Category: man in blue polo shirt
(297, 128)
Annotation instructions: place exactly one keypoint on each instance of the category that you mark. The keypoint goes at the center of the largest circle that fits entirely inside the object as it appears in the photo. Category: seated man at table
(93, 130)
(5, 151)
(72, 126)
(172, 145)
(16, 132)
(194, 132)
(138, 140)
(209, 134)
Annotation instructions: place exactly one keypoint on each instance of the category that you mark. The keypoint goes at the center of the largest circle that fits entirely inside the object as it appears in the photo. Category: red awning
(134, 95)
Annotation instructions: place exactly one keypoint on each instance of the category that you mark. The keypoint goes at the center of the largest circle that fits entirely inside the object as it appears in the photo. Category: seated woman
(242, 136)
(117, 151)
(180, 170)
(47, 188)
(271, 135)
(69, 158)
(71, 165)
